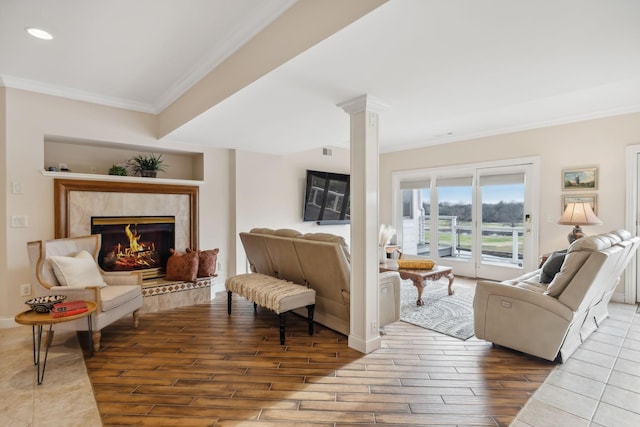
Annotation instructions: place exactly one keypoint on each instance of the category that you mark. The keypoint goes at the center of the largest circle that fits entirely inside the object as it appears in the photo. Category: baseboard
(7, 322)
(364, 346)
(618, 297)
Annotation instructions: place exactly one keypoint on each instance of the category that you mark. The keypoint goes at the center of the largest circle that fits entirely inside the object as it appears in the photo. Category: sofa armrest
(486, 290)
(115, 278)
(520, 318)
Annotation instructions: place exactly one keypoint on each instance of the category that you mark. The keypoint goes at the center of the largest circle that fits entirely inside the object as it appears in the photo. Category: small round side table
(39, 320)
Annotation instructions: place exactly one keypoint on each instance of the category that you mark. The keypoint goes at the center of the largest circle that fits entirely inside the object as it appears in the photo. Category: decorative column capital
(363, 103)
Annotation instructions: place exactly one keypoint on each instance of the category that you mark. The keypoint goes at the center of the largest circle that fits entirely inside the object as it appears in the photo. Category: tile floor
(598, 386)
(65, 397)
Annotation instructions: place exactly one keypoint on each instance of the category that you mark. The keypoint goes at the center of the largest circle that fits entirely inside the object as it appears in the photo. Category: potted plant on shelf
(147, 165)
(118, 170)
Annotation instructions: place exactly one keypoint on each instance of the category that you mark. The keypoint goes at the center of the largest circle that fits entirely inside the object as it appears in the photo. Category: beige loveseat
(320, 261)
(552, 320)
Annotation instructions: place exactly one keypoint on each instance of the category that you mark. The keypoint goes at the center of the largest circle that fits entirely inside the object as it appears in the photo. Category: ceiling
(448, 70)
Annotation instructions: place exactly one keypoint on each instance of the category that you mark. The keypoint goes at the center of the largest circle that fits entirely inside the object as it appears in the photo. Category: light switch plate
(19, 221)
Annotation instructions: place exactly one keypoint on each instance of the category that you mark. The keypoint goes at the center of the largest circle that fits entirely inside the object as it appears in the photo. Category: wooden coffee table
(37, 321)
(419, 277)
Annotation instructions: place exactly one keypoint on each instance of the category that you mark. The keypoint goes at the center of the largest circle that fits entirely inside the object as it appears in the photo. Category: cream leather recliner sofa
(552, 320)
(320, 261)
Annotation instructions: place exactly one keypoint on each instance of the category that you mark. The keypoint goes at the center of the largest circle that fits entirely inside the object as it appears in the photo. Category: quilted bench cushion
(275, 294)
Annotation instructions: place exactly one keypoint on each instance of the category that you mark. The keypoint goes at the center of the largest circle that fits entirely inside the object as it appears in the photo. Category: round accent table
(39, 320)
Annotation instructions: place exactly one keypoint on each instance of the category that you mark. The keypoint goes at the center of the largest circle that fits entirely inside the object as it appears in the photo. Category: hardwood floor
(197, 366)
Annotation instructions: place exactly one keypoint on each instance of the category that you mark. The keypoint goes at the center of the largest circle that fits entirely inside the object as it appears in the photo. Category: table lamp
(578, 214)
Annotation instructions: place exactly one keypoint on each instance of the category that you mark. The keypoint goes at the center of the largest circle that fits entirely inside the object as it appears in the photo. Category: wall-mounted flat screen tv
(327, 197)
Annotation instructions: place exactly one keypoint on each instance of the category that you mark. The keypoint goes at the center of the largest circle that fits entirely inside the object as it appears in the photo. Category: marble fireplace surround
(75, 201)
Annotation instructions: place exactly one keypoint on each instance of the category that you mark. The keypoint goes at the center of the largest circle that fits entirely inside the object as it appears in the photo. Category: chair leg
(96, 340)
(136, 318)
(310, 309)
(281, 316)
(229, 302)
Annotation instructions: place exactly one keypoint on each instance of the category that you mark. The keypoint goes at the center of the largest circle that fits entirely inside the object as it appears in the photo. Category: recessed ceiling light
(39, 34)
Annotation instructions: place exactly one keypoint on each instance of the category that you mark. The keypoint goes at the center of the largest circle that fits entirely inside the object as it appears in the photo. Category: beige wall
(31, 116)
(270, 192)
(600, 143)
(4, 185)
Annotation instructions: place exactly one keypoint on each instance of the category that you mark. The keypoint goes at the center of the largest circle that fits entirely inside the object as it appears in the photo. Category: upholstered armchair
(69, 267)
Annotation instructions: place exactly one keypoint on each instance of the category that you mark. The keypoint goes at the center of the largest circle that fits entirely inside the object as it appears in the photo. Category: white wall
(31, 116)
(269, 192)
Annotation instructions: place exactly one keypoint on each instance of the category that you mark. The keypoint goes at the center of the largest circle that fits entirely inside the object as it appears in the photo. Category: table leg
(450, 277)
(419, 284)
(37, 343)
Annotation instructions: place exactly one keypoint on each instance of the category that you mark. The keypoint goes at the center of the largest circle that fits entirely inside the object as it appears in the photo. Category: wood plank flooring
(197, 366)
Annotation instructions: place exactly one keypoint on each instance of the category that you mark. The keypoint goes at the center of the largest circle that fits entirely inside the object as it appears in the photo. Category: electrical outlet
(17, 187)
(25, 289)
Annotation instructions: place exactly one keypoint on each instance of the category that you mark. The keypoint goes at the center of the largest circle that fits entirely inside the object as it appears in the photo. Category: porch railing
(506, 240)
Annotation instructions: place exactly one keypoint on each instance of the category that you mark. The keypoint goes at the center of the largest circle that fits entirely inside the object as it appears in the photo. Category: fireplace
(135, 243)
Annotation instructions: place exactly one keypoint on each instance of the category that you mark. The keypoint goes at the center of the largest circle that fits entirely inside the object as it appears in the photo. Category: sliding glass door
(504, 221)
(477, 219)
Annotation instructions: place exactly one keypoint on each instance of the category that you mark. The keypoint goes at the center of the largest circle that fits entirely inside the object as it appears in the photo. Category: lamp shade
(579, 213)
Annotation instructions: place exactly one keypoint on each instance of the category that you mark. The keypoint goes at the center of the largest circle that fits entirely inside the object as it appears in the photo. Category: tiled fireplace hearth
(160, 295)
(76, 202)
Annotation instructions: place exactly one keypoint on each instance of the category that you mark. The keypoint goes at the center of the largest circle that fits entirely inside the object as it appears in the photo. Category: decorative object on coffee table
(385, 235)
(44, 304)
(147, 165)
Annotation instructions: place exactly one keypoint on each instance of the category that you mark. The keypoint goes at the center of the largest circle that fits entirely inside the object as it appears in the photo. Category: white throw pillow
(78, 271)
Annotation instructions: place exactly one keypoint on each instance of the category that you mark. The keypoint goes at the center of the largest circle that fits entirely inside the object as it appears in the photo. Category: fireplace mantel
(63, 188)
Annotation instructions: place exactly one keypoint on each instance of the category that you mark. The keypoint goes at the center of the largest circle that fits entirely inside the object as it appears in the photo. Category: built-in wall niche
(93, 157)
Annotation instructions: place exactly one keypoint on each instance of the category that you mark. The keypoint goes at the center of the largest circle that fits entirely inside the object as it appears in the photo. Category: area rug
(448, 314)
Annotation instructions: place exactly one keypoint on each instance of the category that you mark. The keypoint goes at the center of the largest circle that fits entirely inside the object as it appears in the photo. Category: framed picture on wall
(580, 179)
(592, 199)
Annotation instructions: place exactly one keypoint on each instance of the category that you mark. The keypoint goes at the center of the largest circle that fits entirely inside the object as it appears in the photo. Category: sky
(490, 194)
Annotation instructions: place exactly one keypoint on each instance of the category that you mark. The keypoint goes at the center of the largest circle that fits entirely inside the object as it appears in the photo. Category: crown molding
(240, 35)
(71, 93)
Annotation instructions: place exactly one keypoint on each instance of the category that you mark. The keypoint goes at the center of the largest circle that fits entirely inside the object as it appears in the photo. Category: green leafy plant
(142, 163)
(118, 170)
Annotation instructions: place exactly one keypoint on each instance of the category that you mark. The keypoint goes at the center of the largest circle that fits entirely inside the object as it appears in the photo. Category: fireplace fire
(135, 243)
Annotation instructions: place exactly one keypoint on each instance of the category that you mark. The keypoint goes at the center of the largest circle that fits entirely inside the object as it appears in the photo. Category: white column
(363, 112)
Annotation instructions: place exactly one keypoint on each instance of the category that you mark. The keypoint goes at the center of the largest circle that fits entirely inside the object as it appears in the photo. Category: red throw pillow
(182, 267)
(207, 262)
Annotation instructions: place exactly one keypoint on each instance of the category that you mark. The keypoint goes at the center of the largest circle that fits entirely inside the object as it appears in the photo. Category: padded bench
(275, 294)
